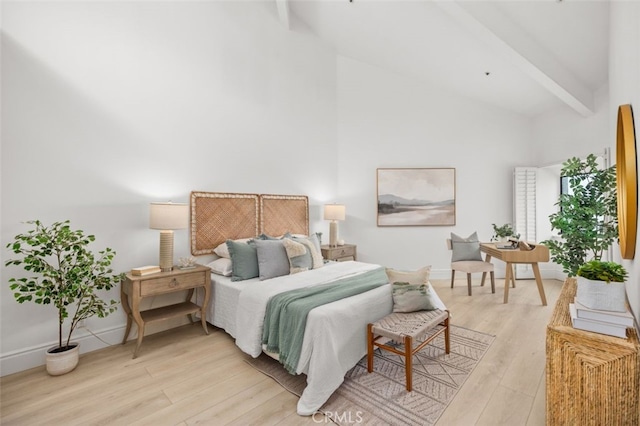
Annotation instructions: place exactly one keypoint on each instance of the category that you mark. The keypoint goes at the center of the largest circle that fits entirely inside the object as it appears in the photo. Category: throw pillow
(465, 248)
(244, 258)
(421, 276)
(412, 297)
(272, 259)
(222, 250)
(221, 266)
(299, 256)
(411, 290)
(313, 245)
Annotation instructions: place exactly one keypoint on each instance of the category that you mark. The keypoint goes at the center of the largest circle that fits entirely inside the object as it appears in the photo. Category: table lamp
(334, 213)
(166, 217)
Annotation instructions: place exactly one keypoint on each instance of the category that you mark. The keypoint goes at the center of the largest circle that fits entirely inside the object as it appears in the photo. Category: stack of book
(145, 270)
(603, 322)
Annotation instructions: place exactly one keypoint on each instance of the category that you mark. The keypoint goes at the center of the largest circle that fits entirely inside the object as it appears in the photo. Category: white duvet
(335, 334)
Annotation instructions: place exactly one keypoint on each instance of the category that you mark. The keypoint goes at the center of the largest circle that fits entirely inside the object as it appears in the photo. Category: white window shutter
(524, 211)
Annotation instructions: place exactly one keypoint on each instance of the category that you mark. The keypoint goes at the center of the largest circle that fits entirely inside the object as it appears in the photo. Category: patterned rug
(380, 398)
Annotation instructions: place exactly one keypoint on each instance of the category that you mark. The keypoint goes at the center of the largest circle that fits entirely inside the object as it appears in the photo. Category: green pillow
(412, 297)
(244, 260)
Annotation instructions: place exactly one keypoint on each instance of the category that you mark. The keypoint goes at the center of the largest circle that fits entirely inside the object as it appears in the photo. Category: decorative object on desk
(68, 277)
(626, 182)
(334, 213)
(187, 262)
(587, 218)
(340, 242)
(166, 217)
(416, 197)
(601, 286)
(145, 270)
(502, 233)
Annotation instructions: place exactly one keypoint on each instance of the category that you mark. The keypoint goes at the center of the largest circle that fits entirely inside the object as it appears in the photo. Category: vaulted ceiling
(525, 56)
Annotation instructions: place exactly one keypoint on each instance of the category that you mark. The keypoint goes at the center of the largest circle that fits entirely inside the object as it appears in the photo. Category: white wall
(624, 84)
(387, 120)
(107, 106)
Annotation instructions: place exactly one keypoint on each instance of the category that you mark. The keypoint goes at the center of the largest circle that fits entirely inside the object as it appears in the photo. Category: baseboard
(546, 274)
(27, 358)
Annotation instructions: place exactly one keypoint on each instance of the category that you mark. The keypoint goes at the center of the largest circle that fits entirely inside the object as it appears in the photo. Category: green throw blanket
(286, 316)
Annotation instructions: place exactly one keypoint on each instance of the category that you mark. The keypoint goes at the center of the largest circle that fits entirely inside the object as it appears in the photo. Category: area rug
(380, 398)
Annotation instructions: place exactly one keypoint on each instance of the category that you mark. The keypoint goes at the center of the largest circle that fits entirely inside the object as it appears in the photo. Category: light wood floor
(183, 377)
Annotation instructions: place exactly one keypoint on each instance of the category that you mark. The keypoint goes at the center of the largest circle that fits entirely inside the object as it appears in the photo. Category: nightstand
(134, 288)
(339, 253)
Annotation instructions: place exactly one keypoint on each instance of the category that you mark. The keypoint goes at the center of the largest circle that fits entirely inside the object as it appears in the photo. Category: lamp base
(166, 251)
(333, 233)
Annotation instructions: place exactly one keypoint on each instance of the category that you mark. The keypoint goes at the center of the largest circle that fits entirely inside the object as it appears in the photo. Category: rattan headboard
(218, 216)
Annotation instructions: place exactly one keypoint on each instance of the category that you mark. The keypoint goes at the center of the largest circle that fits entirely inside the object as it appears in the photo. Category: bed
(335, 333)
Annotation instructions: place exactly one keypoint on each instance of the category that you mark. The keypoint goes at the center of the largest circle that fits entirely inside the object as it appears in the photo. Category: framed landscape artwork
(416, 197)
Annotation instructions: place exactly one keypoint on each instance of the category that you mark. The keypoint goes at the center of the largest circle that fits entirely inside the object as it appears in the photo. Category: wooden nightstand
(134, 288)
(339, 253)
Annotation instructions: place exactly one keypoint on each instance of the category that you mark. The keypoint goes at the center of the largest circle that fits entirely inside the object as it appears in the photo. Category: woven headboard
(218, 216)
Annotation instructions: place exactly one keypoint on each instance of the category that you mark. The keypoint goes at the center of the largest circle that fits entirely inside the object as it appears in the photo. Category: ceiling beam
(283, 13)
(499, 32)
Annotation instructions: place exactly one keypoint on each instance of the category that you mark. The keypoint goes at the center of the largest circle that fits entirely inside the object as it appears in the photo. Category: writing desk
(539, 253)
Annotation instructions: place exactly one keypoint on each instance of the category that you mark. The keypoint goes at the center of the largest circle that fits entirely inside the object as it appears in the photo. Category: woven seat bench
(405, 328)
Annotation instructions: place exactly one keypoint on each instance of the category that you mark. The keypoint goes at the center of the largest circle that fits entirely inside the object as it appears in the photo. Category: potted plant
(68, 276)
(587, 216)
(601, 285)
(502, 233)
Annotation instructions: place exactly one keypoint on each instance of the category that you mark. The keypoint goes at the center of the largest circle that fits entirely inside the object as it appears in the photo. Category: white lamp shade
(167, 216)
(334, 212)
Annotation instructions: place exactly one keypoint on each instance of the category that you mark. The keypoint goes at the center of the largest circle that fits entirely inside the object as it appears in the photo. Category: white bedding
(335, 334)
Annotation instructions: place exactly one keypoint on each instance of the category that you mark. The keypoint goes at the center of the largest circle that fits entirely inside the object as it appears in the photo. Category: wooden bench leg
(370, 348)
(453, 275)
(469, 283)
(408, 353)
(493, 282)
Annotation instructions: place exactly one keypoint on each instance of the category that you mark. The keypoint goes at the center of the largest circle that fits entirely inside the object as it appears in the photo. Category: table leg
(484, 274)
(124, 301)
(536, 273)
(203, 308)
(507, 279)
(139, 322)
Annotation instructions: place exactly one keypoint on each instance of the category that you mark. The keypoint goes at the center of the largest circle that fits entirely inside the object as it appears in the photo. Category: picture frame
(416, 196)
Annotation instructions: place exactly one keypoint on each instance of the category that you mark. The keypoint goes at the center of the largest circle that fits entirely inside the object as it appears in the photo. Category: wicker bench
(405, 328)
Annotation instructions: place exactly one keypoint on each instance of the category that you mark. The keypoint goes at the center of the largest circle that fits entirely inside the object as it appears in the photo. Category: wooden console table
(539, 253)
(592, 379)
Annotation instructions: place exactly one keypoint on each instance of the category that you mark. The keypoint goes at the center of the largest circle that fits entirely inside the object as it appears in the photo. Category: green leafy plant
(587, 219)
(68, 274)
(503, 231)
(598, 270)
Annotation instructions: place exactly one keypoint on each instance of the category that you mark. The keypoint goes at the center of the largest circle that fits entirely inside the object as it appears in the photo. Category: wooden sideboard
(592, 379)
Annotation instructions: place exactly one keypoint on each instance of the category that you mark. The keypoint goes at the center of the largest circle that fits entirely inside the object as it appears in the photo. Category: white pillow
(221, 266)
(223, 251)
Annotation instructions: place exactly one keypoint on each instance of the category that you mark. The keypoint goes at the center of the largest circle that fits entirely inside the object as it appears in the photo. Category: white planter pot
(59, 363)
(600, 295)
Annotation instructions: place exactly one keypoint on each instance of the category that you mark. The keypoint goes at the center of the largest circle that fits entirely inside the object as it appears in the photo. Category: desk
(539, 253)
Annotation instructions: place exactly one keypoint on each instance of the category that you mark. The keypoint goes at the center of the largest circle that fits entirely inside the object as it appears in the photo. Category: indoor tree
(587, 217)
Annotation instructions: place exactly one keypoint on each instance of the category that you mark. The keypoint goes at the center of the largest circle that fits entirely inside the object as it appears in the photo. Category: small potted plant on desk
(601, 286)
(502, 233)
(68, 277)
